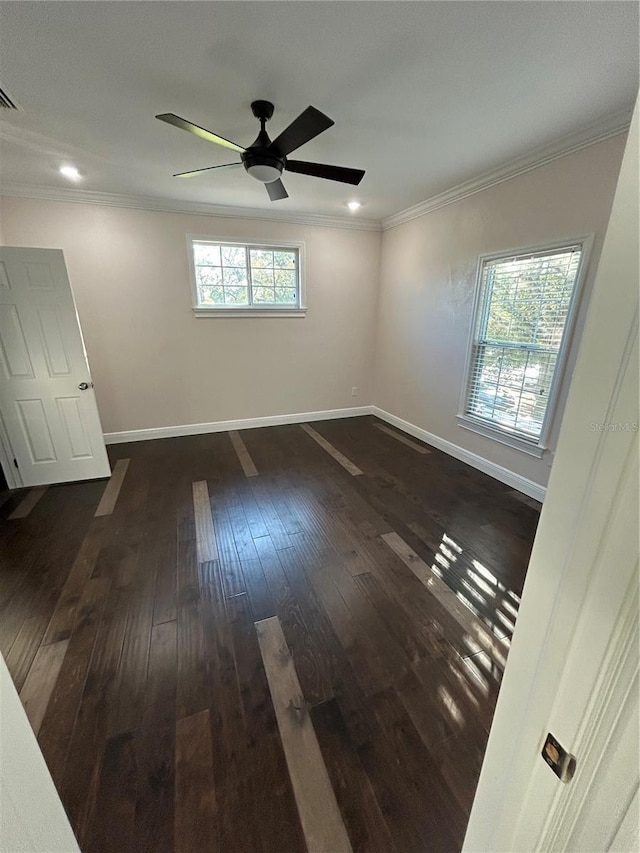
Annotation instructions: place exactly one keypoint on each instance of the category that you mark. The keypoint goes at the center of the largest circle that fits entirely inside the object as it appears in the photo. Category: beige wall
(154, 364)
(428, 271)
(388, 313)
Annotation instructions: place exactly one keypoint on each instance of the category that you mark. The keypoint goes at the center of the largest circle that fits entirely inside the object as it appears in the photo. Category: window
(240, 278)
(522, 320)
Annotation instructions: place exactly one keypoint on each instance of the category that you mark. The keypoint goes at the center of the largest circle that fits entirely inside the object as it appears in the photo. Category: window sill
(513, 441)
(249, 312)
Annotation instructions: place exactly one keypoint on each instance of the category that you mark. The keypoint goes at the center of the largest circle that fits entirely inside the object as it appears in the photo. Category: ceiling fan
(265, 160)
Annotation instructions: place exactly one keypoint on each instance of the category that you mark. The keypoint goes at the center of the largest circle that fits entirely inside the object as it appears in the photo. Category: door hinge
(15, 462)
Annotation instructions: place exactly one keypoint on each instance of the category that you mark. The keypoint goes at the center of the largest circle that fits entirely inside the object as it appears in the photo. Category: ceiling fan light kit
(266, 160)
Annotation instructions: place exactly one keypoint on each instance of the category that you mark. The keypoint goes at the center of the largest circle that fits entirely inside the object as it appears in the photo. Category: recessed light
(354, 205)
(70, 172)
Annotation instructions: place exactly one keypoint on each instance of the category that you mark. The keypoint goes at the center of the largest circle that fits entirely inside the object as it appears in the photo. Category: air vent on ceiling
(5, 101)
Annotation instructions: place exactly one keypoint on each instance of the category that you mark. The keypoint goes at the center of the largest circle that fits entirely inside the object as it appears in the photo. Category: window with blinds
(521, 318)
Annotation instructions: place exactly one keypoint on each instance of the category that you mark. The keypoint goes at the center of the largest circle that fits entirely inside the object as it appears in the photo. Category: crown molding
(60, 194)
(599, 131)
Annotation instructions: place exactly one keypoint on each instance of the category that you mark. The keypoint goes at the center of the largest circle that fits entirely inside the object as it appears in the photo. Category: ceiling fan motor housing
(260, 159)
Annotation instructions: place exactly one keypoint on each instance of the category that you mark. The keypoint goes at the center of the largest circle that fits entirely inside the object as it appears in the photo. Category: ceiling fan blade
(183, 124)
(206, 169)
(276, 190)
(309, 123)
(323, 170)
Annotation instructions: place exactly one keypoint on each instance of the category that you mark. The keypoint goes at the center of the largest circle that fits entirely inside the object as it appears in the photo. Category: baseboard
(522, 484)
(224, 426)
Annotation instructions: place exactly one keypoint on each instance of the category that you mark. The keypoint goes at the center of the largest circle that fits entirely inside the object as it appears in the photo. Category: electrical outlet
(354, 391)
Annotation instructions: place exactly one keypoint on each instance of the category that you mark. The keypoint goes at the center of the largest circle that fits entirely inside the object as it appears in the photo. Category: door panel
(13, 346)
(53, 427)
(39, 275)
(35, 430)
(71, 416)
(53, 341)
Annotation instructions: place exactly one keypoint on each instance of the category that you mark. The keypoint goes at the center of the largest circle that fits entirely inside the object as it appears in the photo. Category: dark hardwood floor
(170, 720)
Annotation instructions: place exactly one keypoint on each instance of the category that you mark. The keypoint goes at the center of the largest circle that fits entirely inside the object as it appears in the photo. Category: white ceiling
(425, 95)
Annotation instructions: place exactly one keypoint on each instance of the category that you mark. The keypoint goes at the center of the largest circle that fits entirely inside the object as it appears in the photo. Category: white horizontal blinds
(523, 308)
(232, 276)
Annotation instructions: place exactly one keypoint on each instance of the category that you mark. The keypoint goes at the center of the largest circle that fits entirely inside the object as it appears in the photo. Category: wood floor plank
(24, 648)
(320, 816)
(384, 656)
(245, 547)
(164, 602)
(340, 458)
(403, 438)
(405, 777)
(160, 689)
(330, 662)
(313, 645)
(239, 742)
(205, 534)
(112, 489)
(497, 646)
(64, 615)
(262, 604)
(28, 502)
(273, 571)
(155, 801)
(358, 804)
(525, 499)
(272, 817)
(129, 696)
(252, 510)
(83, 768)
(343, 624)
(233, 581)
(193, 686)
(393, 617)
(231, 765)
(113, 826)
(441, 701)
(60, 716)
(271, 518)
(225, 541)
(248, 465)
(38, 686)
(195, 803)
(327, 525)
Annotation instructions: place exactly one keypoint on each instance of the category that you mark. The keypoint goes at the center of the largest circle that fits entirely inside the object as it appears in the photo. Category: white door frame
(33, 818)
(574, 569)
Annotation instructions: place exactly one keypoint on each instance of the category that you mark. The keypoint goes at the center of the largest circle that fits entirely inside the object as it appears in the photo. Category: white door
(574, 662)
(48, 412)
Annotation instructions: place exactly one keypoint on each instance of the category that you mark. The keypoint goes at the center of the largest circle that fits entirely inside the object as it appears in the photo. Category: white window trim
(299, 310)
(532, 447)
